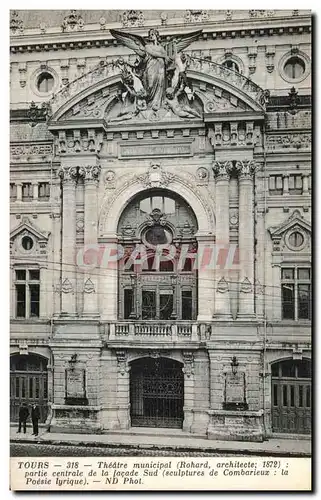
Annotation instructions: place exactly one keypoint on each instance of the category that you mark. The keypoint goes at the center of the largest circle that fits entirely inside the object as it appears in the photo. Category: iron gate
(157, 393)
(28, 384)
(291, 397)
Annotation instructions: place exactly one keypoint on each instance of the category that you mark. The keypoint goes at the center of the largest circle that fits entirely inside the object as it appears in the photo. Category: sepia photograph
(160, 249)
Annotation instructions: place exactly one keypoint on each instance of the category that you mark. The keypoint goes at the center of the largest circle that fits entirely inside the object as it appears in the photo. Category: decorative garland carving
(155, 177)
(122, 366)
(89, 286)
(246, 286)
(188, 358)
(72, 22)
(222, 286)
(133, 18)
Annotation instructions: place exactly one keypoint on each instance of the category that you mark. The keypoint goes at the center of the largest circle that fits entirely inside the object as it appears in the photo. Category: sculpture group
(157, 79)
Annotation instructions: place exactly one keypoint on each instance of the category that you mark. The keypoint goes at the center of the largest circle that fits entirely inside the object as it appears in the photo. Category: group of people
(23, 417)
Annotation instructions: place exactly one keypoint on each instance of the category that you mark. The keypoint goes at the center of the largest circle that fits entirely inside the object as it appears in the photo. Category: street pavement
(19, 449)
(141, 441)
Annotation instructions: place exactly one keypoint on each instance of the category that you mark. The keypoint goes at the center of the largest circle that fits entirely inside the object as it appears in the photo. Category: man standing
(35, 415)
(23, 415)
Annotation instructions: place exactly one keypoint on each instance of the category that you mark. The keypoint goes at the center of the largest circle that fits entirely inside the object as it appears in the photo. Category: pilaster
(90, 174)
(68, 176)
(246, 238)
(206, 281)
(222, 171)
(188, 371)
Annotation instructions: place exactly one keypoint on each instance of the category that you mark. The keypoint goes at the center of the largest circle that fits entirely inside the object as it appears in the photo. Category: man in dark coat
(35, 415)
(23, 415)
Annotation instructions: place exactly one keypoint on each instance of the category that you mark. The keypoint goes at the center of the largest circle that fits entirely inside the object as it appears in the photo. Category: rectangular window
(27, 194)
(128, 303)
(186, 304)
(34, 300)
(304, 301)
(20, 274)
(165, 305)
(21, 301)
(288, 301)
(148, 304)
(13, 191)
(295, 184)
(296, 293)
(34, 274)
(44, 191)
(27, 287)
(276, 184)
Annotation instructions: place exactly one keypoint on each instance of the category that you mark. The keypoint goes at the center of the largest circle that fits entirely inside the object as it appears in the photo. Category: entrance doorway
(157, 393)
(291, 396)
(28, 384)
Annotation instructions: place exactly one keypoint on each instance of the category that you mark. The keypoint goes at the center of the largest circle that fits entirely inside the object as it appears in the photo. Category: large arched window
(157, 274)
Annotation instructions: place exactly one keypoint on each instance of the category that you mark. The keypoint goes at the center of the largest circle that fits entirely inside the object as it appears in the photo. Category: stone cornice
(242, 25)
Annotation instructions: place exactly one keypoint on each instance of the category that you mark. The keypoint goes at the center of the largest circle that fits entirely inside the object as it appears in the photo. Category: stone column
(90, 174)
(68, 281)
(222, 172)
(246, 238)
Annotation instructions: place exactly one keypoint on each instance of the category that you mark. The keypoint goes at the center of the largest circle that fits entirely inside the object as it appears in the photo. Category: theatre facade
(160, 203)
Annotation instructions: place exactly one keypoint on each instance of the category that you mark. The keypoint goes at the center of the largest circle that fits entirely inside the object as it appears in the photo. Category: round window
(158, 235)
(294, 68)
(296, 239)
(45, 82)
(230, 64)
(27, 243)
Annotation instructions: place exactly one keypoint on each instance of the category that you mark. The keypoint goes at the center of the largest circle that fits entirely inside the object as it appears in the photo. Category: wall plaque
(75, 386)
(152, 149)
(235, 391)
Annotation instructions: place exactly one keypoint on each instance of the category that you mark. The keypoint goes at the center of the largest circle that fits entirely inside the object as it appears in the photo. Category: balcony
(142, 333)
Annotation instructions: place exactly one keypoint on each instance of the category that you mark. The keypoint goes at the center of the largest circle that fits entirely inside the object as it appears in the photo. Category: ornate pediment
(117, 105)
(168, 85)
(28, 240)
(294, 234)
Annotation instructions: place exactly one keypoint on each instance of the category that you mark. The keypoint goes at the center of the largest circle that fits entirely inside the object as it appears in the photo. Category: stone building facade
(108, 156)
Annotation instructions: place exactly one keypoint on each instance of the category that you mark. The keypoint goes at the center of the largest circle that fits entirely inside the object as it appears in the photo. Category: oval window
(45, 82)
(296, 239)
(230, 64)
(27, 243)
(294, 68)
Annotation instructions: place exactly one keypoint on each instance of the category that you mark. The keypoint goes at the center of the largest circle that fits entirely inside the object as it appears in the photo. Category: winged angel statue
(158, 77)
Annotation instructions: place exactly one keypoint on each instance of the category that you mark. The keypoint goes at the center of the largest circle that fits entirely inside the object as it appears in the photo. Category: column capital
(90, 172)
(246, 169)
(67, 174)
(222, 169)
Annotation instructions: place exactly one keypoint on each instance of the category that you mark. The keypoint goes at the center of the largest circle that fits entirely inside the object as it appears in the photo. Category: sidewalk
(137, 438)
